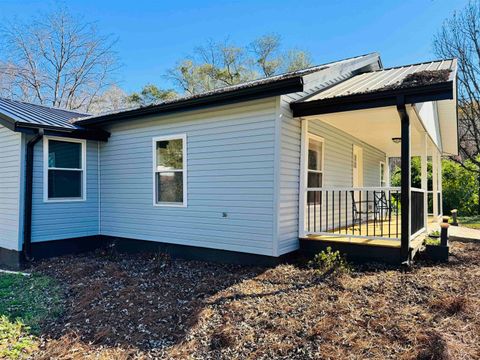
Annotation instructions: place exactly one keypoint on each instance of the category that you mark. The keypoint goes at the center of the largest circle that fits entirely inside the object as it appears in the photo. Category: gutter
(27, 208)
(369, 100)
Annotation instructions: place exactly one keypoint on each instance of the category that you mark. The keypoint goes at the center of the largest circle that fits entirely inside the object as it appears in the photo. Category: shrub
(330, 261)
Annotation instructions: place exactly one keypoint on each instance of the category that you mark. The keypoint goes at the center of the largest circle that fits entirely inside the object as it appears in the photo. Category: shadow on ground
(143, 306)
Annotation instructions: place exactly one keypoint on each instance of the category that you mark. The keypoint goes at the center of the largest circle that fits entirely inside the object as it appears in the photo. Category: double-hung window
(315, 163)
(64, 169)
(169, 170)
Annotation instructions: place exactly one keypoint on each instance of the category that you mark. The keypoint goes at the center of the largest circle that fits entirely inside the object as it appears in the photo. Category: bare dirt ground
(136, 307)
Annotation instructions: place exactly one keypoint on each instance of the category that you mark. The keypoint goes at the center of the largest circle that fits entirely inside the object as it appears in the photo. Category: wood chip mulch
(152, 307)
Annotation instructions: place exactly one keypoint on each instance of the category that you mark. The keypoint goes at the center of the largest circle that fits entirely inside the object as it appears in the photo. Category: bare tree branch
(59, 60)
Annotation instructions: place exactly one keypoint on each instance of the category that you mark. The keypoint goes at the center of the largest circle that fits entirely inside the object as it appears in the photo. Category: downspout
(405, 180)
(27, 211)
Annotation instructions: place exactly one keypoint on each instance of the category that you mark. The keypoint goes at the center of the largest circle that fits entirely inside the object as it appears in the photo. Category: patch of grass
(432, 241)
(472, 222)
(25, 303)
(15, 340)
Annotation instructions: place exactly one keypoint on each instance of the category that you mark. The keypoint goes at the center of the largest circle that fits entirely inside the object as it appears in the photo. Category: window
(383, 174)
(315, 161)
(64, 169)
(315, 167)
(170, 178)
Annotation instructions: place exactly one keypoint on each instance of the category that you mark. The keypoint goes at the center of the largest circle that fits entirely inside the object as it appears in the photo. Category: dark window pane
(314, 180)
(170, 187)
(170, 155)
(315, 149)
(62, 154)
(64, 184)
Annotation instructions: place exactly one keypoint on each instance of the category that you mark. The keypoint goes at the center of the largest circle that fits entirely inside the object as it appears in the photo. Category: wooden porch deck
(366, 247)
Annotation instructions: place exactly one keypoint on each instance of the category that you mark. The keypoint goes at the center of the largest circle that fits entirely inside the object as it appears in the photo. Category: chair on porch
(381, 209)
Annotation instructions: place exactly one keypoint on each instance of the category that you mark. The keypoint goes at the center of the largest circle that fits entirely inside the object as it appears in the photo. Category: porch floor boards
(393, 243)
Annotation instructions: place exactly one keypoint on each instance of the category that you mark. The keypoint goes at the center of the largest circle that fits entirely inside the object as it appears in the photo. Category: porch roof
(417, 84)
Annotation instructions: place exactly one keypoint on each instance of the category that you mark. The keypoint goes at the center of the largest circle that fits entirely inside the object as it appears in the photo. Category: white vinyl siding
(230, 152)
(338, 170)
(10, 188)
(69, 219)
(289, 162)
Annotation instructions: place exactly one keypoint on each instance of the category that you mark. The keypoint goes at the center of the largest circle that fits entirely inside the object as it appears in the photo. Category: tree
(459, 38)
(151, 94)
(112, 99)
(219, 64)
(57, 60)
(266, 49)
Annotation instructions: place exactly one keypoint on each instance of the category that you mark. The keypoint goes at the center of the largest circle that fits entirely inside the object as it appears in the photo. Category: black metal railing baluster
(326, 212)
(346, 213)
(339, 212)
(333, 211)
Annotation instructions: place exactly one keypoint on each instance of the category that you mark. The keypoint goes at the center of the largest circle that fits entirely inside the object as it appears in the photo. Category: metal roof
(186, 100)
(43, 116)
(387, 79)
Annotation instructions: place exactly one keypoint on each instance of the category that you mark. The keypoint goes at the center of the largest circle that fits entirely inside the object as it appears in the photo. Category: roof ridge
(414, 64)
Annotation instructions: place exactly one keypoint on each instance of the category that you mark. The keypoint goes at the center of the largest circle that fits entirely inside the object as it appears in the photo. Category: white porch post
(387, 171)
(302, 198)
(435, 183)
(424, 161)
(439, 179)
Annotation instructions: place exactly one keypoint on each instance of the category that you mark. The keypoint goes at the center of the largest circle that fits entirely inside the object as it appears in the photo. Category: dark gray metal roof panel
(37, 115)
(225, 90)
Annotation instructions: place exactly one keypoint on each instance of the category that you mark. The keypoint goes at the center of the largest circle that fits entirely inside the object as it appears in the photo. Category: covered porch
(391, 118)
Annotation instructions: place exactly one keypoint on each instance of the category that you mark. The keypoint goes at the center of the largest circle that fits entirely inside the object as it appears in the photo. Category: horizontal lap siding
(339, 156)
(338, 171)
(10, 153)
(63, 220)
(230, 169)
(338, 168)
(290, 158)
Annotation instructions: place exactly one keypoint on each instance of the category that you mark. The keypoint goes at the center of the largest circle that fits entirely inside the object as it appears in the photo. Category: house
(247, 173)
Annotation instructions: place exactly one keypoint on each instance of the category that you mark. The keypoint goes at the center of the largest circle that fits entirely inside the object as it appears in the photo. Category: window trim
(156, 139)
(83, 143)
(308, 170)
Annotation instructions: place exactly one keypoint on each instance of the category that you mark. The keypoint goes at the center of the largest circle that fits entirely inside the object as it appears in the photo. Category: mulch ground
(143, 307)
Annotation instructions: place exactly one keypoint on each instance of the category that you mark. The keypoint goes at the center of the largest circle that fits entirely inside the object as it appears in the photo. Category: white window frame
(307, 169)
(384, 173)
(156, 139)
(83, 143)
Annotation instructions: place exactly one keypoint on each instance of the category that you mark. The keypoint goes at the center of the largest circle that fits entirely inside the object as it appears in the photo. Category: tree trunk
(478, 197)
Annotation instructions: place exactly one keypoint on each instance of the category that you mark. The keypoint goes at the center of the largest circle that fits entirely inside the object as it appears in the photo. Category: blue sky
(153, 35)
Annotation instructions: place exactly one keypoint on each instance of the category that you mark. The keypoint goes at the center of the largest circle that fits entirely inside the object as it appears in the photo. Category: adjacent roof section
(26, 113)
(265, 87)
(26, 117)
(431, 81)
(402, 77)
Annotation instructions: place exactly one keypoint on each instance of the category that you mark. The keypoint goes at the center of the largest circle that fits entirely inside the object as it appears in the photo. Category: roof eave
(279, 87)
(434, 92)
(85, 133)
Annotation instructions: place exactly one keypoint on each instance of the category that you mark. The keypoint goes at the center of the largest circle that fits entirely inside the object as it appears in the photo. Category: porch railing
(366, 212)
(417, 211)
